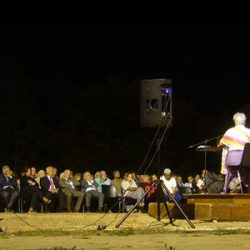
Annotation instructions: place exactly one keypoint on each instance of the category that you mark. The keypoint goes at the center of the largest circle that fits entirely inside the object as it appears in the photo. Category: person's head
(154, 177)
(145, 178)
(97, 174)
(6, 170)
(204, 173)
(129, 176)
(167, 173)
(197, 177)
(190, 178)
(125, 175)
(87, 176)
(104, 175)
(54, 171)
(62, 176)
(28, 172)
(134, 175)
(67, 173)
(239, 118)
(33, 171)
(41, 173)
(50, 171)
(116, 174)
(78, 176)
(179, 179)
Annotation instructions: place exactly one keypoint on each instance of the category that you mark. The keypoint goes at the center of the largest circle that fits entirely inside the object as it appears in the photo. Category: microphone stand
(205, 141)
(205, 149)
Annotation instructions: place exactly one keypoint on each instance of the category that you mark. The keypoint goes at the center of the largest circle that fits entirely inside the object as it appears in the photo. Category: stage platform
(209, 207)
(227, 207)
(231, 198)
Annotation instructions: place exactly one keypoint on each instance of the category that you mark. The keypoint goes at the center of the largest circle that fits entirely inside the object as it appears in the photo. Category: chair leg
(42, 208)
(238, 173)
(121, 205)
(20, 204)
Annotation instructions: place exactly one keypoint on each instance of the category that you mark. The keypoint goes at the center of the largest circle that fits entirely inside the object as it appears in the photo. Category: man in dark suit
(52, 190)
(8, 188)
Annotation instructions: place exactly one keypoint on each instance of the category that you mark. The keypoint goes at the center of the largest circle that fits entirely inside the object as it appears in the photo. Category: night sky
(209, 65)
(201, 61)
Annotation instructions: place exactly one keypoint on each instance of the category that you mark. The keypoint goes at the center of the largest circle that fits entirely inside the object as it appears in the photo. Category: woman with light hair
(41, 173)
(233, 142)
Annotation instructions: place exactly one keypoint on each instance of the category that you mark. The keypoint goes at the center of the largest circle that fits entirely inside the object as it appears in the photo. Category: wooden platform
(209, 207)
(227, 207)
(240, 199)
(175, 213)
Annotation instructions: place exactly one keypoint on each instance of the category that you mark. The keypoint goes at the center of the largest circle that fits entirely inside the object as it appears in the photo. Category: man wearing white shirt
(171, 184)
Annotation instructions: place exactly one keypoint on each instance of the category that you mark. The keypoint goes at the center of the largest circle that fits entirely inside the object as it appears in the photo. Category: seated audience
(52, 190)
(213, 182)
(98, 181)
(199, 183)
(31, 192)
(90, 186)
(41, 173)
(192, 184)
(69, 187)
(104, 178)
(131, 190)
(117, 181)
(8, 188)
(170, 184)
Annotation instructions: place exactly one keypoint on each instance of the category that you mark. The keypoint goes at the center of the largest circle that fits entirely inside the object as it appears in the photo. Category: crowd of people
(75, 192)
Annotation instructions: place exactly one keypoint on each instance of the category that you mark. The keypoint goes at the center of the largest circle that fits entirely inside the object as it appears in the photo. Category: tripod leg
(176, 203)
(165, 204)
(158, 211)
(131, 210)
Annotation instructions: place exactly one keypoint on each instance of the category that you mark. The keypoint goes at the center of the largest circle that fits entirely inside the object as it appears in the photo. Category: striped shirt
(236, 137)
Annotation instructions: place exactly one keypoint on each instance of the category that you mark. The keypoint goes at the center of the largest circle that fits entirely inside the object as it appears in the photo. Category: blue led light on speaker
(167, 90)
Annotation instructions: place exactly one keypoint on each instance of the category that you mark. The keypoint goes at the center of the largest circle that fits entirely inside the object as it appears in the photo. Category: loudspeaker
(155, 102)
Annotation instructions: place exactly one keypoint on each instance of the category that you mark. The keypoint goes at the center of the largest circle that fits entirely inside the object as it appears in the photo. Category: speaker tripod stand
(160, 188)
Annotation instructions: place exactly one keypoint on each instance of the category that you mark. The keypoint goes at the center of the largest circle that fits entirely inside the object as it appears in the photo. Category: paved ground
(99, 231)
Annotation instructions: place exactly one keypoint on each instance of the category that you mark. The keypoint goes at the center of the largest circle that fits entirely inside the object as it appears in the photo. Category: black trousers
(33, 195)
(58, 202)
(9, 196)
(96, 194)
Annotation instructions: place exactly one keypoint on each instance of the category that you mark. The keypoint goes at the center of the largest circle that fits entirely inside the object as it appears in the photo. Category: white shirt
(90, 182)
(71, 183)
(200, 183)
(170, 184)
(126, 185)
(106, 182)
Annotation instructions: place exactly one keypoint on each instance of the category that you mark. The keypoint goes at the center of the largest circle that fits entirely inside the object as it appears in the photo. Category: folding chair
(244, 165)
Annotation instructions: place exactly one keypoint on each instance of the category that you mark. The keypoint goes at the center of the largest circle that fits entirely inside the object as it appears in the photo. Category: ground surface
(137, 231)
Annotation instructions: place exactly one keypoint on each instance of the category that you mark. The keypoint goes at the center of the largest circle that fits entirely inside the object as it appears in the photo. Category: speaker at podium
(155, 102)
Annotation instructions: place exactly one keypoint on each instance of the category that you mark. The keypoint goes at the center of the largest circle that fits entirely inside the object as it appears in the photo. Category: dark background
(70, 94)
